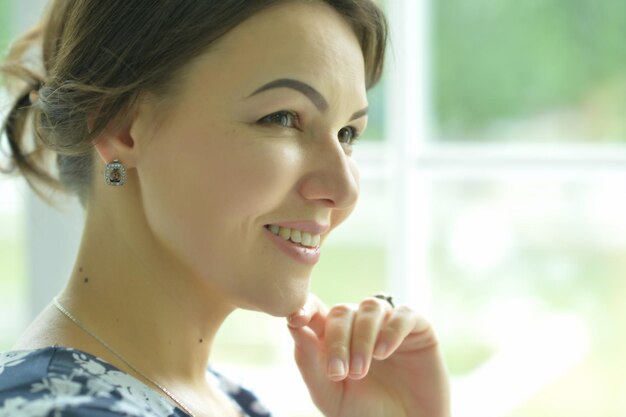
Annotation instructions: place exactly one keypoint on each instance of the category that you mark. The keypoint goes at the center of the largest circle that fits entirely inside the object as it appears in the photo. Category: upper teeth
(296, 236)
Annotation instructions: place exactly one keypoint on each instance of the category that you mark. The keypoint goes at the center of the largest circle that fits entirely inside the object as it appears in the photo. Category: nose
(331, 178)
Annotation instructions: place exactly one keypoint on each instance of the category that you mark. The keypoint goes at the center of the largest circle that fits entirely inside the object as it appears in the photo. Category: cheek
(262, 174)
(209, 188)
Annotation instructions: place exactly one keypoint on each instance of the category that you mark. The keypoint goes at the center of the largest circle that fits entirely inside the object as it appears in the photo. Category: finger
(308, 356)
(312, 314)
(421, 337)
(337, 341)
(367, 323)
(401, 323)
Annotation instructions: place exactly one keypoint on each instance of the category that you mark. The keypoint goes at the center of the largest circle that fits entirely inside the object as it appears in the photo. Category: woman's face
(257, 142)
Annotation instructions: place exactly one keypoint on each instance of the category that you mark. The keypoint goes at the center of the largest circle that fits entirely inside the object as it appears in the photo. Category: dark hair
(87, 60)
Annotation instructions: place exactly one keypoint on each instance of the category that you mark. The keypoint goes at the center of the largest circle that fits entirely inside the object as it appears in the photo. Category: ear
(117, 142)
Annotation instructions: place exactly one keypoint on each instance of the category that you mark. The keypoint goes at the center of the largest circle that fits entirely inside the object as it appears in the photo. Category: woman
(223, 131)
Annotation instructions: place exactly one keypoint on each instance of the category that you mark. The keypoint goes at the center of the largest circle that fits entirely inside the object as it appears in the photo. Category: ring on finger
(386, 297)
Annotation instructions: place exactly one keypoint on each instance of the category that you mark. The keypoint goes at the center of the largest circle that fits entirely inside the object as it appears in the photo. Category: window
(527, 72)
(522, 181)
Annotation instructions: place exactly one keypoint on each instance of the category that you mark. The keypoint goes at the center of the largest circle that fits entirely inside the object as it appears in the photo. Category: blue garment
(58, 381)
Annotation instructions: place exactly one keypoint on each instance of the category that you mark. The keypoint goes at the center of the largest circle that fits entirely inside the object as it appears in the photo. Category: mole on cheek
(86, 280)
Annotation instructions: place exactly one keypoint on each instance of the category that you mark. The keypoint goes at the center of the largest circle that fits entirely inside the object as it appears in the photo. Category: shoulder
(63, 382)
(244, 397)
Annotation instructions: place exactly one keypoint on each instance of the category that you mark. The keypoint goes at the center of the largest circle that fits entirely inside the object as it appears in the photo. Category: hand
(370, 360)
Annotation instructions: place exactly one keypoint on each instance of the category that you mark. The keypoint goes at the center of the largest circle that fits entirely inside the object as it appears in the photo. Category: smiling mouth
(298, 237)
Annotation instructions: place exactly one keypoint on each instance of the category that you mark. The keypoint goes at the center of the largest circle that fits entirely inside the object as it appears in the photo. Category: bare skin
(167, 257)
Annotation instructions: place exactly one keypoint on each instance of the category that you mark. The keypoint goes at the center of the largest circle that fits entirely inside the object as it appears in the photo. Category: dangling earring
(115, 173)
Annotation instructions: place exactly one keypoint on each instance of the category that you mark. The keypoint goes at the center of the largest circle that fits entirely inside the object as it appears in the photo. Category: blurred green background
(505, 61)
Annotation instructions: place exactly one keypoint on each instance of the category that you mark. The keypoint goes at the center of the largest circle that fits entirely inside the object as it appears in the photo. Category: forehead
(308, 41)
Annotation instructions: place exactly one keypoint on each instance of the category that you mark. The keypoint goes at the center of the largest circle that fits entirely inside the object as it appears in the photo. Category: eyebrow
(359, 114)
(311, 93)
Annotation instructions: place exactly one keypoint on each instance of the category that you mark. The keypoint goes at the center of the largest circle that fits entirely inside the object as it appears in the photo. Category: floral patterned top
(58, 381)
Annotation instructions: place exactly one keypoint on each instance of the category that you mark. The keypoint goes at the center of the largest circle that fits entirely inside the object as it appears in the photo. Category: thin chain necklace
(161, 387)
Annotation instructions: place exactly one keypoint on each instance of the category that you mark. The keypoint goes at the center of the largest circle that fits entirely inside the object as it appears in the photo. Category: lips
(311, 227)
(299, 240)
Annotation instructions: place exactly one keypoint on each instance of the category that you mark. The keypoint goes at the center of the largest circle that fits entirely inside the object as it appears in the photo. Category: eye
(348, 135)
(282, 118)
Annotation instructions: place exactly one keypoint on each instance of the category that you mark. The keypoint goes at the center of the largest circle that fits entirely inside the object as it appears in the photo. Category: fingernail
(381, 350)
(336, 367)
(357, 365)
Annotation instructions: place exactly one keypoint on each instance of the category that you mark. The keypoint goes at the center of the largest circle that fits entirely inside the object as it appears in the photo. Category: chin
(284, 304)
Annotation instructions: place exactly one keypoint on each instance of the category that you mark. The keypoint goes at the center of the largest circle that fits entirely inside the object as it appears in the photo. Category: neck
(129, 291)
